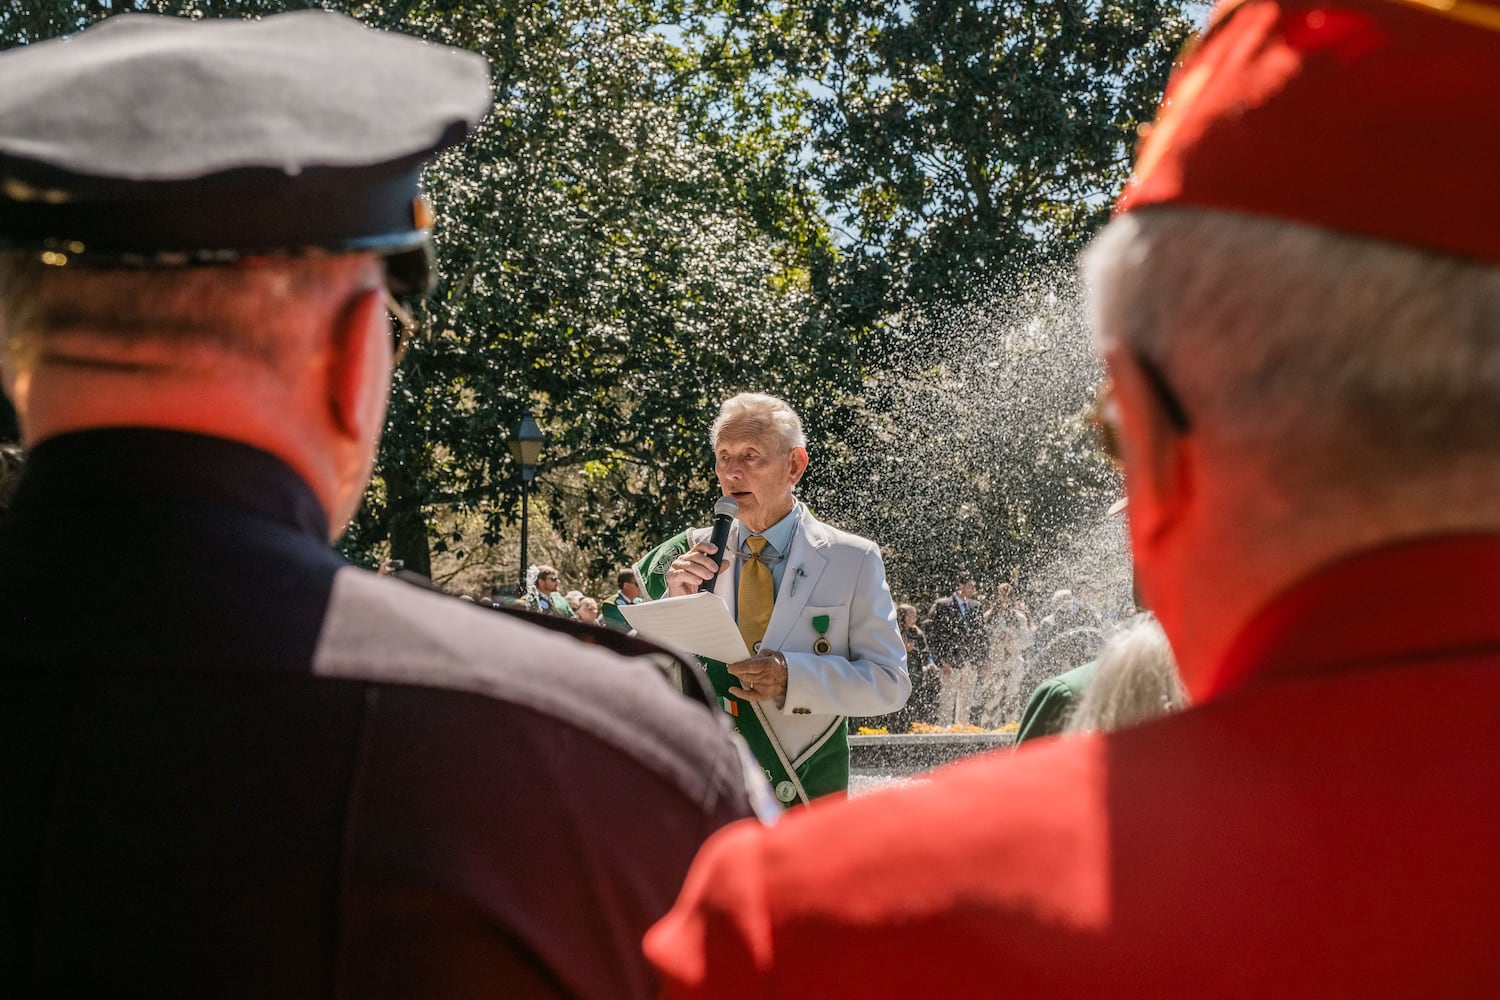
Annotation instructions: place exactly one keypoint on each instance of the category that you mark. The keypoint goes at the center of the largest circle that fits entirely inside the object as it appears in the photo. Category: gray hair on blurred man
(1326, 413)
(1134, 679)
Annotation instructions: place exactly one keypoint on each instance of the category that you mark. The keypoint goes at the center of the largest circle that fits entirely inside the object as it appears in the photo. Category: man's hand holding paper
(762, 677)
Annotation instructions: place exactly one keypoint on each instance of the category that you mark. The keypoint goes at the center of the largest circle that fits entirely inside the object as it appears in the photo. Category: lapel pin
(797, 575)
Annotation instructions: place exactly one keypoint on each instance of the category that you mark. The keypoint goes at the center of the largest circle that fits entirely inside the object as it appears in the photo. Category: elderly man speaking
(811, 602)
(1299, 305)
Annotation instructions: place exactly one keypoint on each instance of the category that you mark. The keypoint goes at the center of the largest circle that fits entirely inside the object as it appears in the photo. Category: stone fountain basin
(910, 753)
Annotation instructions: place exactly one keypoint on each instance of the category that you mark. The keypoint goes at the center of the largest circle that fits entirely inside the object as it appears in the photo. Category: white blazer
(834, 573)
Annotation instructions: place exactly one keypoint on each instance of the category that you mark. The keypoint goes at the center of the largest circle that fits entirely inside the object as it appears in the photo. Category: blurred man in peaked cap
(1299, 305)
(243, 767)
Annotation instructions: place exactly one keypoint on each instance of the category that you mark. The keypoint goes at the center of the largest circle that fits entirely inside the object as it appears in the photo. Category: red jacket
(1323, 824)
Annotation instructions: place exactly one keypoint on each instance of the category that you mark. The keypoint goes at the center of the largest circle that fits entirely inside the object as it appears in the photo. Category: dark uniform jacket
(957, 632)
(237, 766)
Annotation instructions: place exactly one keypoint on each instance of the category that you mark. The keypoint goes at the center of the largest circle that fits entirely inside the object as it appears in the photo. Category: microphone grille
(726, 507)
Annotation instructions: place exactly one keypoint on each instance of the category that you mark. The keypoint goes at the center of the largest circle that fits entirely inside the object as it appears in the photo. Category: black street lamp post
(526, 440)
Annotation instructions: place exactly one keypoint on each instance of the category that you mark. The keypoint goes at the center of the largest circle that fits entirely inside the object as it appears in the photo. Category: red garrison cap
(1374, 117)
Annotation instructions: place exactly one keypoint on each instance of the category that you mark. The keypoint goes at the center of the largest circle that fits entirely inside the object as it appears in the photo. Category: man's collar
(778, 535)
(144, 464)
(1410, 600)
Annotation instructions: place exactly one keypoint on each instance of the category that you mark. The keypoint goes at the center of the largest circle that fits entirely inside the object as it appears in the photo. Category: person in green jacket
(1048, 708)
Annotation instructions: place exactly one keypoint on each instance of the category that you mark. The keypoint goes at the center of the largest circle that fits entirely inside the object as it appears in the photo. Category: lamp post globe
(526, 440)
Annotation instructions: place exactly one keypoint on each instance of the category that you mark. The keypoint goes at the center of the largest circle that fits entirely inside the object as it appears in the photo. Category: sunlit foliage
(840, 201)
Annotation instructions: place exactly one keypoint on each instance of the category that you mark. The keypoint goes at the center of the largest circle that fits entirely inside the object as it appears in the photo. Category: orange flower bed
(927, 728)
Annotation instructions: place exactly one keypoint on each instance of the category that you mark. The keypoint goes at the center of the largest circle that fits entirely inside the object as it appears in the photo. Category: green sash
(822, 769)
(613, 616)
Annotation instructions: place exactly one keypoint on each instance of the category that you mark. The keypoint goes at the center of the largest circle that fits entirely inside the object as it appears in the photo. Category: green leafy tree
(605, 257)
(678, 199)
(602, 264)
(964, 151)
(955, 142)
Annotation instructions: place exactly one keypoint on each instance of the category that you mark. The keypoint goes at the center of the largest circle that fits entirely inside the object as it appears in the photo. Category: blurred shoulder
(383, 631)
(1045, 813)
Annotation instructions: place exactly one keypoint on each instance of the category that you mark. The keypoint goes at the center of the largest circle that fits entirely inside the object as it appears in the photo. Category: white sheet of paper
(699, 623)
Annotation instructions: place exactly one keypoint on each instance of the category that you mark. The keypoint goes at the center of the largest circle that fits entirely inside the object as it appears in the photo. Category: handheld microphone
(724, 511)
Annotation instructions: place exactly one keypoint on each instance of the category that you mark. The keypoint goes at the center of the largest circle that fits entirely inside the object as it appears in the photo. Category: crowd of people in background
(543, 594)
(975, 663)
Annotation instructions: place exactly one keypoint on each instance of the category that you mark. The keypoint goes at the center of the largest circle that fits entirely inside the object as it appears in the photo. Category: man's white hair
(1136, 680)
(1302, 345)
(765, 414)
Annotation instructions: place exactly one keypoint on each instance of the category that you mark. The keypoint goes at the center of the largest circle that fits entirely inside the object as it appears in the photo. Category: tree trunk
(407, 526)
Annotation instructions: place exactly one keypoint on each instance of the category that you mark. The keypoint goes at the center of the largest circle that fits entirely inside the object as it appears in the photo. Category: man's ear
(7, 379)
(359, 366)
(799, 464)
(16, 384)
(1158, 454)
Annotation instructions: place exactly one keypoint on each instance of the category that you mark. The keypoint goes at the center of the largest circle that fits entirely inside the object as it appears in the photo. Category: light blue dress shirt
(778, 537)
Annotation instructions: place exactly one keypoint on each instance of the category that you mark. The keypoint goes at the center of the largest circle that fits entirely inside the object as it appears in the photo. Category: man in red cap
(1299, 305)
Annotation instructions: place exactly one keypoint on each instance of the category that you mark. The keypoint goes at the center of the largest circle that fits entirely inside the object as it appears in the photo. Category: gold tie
(756, 595)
